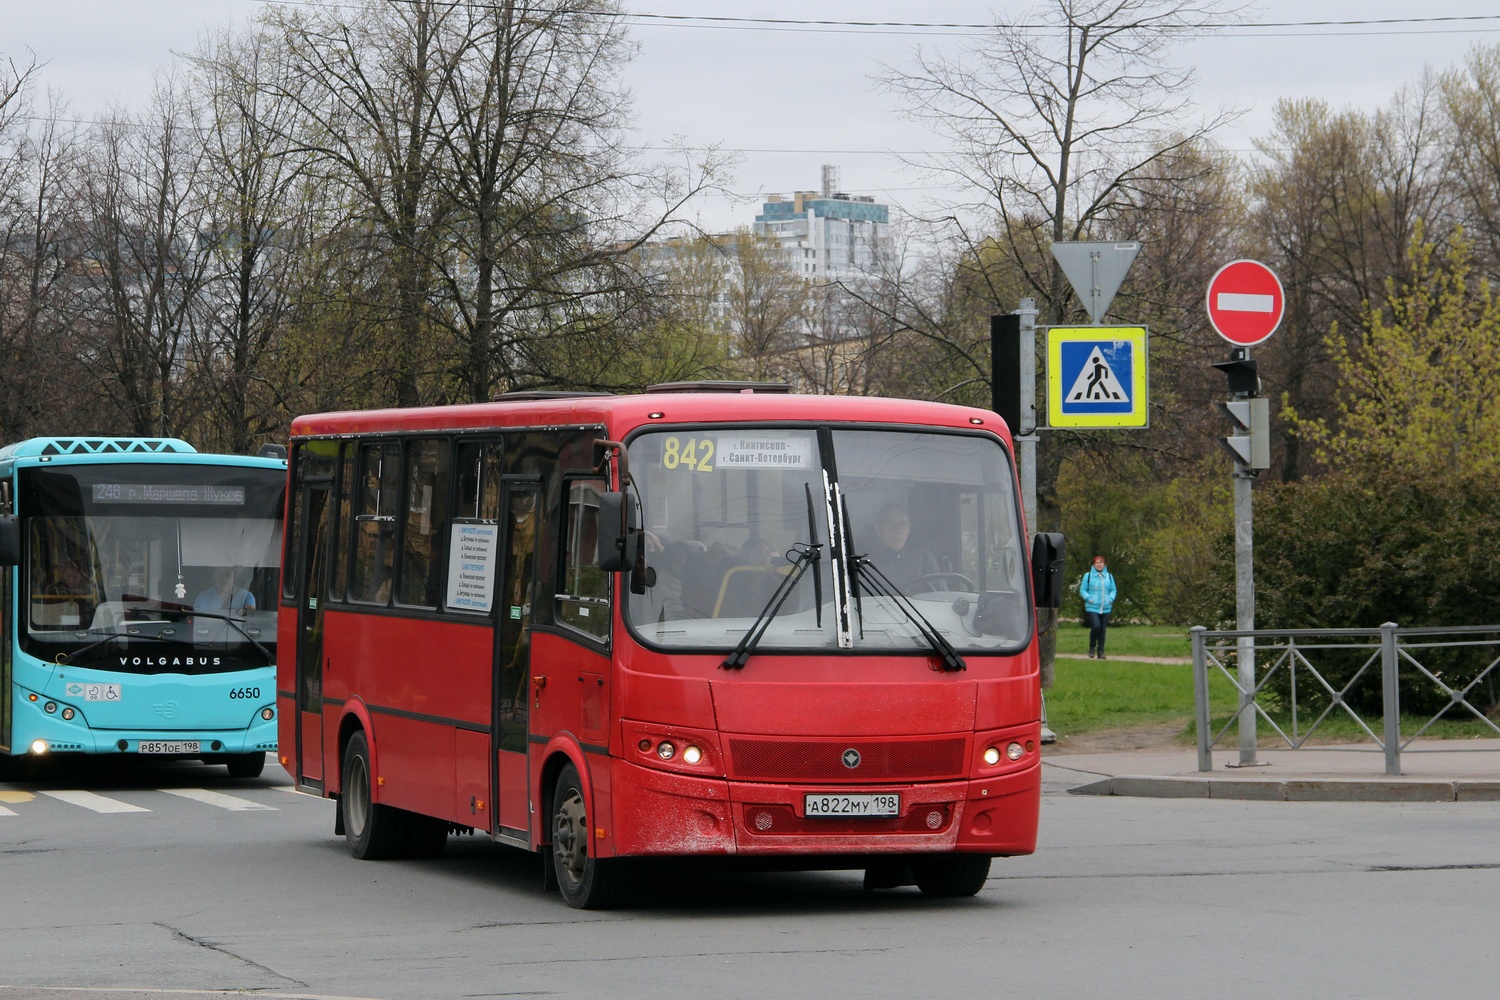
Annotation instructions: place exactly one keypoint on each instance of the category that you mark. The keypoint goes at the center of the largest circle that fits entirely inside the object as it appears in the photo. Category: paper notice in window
(471, 566)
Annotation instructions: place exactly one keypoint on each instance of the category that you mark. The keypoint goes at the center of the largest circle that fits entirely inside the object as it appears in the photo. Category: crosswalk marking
(98, 803)
(231, 802)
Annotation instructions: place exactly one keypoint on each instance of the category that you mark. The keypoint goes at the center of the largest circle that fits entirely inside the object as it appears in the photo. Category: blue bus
(138, 595)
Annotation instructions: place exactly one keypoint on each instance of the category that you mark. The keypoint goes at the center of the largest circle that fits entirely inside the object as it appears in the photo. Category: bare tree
(1339, 198)
(37, 249)
(1471, 102)
(1052, 116)
(366, 81)
(144, 266)
(258, 223)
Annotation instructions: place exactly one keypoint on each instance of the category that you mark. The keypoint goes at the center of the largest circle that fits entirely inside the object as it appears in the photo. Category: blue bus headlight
(268, 713)
(38, 747)
(68, 714)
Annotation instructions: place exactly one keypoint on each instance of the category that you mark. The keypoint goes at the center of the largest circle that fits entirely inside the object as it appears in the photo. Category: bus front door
(309, 749)
(513, 661)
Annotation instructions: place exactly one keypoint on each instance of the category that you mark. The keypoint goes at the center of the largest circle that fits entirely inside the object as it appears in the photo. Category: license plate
(876, 805)
(169, 746)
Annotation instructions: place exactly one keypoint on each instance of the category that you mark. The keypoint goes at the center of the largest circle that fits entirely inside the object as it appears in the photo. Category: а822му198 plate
(878, 805)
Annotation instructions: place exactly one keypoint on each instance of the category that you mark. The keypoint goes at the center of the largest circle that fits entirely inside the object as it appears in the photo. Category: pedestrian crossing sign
(1096, 376)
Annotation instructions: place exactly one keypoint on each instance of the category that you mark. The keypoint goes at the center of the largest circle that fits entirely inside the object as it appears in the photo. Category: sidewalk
(1432, 771)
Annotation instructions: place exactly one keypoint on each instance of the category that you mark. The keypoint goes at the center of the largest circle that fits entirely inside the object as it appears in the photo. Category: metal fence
(1312, 675)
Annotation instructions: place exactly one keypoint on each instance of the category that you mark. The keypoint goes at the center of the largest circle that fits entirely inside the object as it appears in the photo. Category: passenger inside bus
(695, 580)
(69, 595)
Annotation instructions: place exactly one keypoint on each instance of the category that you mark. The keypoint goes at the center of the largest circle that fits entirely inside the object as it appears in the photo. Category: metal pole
(1244, 603)
(1392, 700)
(1027, 438)
(1026, 441)
(1200, 697)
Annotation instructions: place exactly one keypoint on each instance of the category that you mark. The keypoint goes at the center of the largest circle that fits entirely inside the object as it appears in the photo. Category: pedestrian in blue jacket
(1098, 591)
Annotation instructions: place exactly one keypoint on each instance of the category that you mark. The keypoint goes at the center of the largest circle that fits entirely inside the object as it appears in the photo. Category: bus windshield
(151, 568)
(726, 510)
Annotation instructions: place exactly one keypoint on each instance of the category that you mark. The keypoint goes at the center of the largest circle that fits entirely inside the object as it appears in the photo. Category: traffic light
(1250, 445)
(1243, 379)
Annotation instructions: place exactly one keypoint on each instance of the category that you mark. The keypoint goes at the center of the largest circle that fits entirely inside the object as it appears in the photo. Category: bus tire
(951, 875)
(14, 768)
(245, 765)
(586, 882)
(372, 831)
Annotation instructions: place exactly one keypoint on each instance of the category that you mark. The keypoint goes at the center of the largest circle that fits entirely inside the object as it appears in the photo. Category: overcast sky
(795, 98)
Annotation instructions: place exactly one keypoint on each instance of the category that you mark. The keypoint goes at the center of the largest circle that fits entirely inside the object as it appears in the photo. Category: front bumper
(32, 722)
(664, 814)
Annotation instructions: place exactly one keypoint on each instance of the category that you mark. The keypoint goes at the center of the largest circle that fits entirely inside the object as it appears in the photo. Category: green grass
(1124, 641)
(1092, 695)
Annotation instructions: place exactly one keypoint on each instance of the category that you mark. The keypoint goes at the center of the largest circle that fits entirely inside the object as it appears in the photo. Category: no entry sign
(1245, 302)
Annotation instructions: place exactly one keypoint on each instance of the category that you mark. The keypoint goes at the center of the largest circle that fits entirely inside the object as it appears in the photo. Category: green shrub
(1356, 549)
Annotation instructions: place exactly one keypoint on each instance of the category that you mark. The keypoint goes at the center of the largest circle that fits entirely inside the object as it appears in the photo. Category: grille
(920, 759)
(781, 821)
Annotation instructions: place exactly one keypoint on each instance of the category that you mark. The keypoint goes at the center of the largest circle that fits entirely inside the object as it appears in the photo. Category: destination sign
(146, 493)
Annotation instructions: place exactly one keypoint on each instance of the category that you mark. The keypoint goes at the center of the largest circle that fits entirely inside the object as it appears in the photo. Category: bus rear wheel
(951, 875)
(585, 881)
(372, 831)
(245, 765)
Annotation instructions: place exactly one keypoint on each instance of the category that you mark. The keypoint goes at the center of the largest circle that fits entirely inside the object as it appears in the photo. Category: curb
(1293, 789)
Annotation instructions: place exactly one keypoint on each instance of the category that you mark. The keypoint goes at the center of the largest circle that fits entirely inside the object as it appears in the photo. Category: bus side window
(379, 489)
(583, 601)
(425, 516)
(478, 482)
(338, 583)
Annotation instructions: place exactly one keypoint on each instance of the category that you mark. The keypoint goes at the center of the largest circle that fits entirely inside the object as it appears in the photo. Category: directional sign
(1095, 270)
(1096, 376)
(1245, 302)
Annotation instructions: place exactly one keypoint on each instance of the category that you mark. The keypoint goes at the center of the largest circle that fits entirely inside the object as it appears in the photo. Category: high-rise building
(827, 235)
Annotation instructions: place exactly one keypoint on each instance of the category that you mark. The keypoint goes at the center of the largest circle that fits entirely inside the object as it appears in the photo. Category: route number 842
(692, 453)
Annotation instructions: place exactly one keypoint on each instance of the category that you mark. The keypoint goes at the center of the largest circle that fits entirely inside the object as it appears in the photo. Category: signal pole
(1250, 447)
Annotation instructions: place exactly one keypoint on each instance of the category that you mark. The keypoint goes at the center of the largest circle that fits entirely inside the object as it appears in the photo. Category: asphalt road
(188, 895)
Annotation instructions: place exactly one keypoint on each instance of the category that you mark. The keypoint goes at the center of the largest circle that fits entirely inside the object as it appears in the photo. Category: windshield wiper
(171, 607)
(881, 586)
(270, 658)
(806, 556)
(66, 658)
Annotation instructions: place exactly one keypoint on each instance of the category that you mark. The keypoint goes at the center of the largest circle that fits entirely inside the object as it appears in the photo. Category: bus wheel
(372, 831)
(586, 882)
(13, 768)
(245, 765)
(951, 874)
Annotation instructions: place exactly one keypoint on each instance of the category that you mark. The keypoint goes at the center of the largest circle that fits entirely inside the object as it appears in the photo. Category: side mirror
(1047, 568)
(613, 533)
(10, 541)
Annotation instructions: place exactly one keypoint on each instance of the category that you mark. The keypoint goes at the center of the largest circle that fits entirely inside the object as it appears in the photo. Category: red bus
(710, 620)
